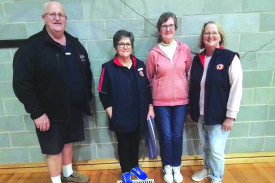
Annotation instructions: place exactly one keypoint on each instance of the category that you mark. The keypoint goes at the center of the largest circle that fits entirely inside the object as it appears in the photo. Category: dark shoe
(75, 177)
(126, 177)
(139, 173)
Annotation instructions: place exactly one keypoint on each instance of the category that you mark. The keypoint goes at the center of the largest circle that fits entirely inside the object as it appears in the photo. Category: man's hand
(227, 124)
(42, 123)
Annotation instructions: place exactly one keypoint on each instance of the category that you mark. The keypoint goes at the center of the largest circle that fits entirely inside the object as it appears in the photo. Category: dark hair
(221, 32)
(163, 18)
(121, 34)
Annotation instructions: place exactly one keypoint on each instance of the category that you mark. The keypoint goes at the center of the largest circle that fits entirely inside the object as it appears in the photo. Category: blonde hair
(221, 32)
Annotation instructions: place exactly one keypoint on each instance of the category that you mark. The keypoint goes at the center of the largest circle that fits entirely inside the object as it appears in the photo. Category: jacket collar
(133, 58)
(159, 50)
(202, 55)
(48, 38)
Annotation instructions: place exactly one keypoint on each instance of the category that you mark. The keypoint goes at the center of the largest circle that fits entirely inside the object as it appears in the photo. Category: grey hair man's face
(55, 18)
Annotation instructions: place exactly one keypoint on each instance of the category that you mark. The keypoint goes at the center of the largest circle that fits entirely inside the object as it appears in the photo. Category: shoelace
(137, 171)
(177, 170)
(168, 171)
(125, 177)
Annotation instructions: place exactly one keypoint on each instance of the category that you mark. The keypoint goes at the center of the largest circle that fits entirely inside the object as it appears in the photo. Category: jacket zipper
(172, 72)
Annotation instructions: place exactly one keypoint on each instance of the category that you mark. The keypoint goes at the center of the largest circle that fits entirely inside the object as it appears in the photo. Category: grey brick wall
(250, 29)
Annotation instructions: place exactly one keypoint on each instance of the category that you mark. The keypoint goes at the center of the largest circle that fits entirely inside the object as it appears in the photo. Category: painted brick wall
(250, 30)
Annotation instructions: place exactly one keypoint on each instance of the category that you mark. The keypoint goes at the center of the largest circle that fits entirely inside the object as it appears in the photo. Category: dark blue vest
(217, 87)
(121, 96)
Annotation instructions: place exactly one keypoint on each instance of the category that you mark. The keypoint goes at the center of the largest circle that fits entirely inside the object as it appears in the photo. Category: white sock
(56, 179)
(67, 170)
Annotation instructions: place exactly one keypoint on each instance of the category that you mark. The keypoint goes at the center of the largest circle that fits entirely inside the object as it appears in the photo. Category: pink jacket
(169, 79)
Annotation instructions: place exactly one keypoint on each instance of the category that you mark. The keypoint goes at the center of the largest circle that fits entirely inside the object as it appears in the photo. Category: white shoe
(168, 175)
(178, 178)
(203, 173)
(215, 181)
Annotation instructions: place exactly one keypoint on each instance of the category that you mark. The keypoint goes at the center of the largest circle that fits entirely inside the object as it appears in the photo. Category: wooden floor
(234, 173)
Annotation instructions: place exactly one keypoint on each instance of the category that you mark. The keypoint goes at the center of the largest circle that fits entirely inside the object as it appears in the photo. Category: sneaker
(168, 175)
(75, 177)
(139, 173)
(126, 177)
(215, 181)
(203, 173)
(178, 178)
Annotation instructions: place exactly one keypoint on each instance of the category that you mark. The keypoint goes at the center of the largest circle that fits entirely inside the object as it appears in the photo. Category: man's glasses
(54, 15)
(126, 45)
(165, 27)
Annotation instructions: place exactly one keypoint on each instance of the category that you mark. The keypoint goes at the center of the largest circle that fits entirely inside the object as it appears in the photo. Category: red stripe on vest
(117, 62)
(101, 79)
(202, 55)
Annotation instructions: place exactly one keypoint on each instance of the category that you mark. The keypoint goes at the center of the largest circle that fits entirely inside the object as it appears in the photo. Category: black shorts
(53, 140)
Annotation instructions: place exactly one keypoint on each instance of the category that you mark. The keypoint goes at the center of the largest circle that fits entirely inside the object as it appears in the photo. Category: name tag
(140, 69)
(68, 53)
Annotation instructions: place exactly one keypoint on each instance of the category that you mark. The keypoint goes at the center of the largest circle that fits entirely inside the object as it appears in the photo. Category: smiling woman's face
(211, 36)
(167, 30)
(124, 47)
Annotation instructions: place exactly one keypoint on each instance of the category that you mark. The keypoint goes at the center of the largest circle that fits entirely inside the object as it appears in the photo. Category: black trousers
(128, 148)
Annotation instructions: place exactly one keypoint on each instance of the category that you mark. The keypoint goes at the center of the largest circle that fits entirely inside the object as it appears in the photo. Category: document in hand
(151, 138)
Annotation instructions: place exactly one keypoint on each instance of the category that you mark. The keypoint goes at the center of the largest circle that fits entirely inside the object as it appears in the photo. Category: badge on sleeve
(220, 67)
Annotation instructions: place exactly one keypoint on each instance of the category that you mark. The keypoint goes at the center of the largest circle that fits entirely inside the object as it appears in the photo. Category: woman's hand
(151, 113)
(228, 124)
(109, 111)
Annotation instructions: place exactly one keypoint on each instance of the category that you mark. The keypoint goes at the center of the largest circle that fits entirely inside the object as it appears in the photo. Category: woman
(124, 92)
(167, 67)
(215, 96)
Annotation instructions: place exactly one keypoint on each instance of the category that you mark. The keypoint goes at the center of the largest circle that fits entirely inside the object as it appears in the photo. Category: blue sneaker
(139, 173)
(126, 177)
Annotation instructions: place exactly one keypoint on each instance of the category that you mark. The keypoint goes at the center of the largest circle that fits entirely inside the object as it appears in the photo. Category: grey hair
(47, 3)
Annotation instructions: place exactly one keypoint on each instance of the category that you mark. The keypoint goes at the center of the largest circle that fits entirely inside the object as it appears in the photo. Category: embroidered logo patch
(141, 73)
(82, 58)
(220, 67)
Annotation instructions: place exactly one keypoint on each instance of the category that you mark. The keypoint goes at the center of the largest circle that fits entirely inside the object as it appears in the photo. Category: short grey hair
(121, 34)
(47, 3)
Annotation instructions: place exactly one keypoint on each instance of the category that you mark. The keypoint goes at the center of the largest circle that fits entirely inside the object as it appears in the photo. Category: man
(52, 78)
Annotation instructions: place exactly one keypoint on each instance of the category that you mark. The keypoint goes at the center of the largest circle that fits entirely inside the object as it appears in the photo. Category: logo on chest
(220, 67)
(82, 58)
(140, 71)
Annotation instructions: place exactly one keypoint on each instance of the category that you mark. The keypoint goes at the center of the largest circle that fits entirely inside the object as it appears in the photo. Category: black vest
(217, 87)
